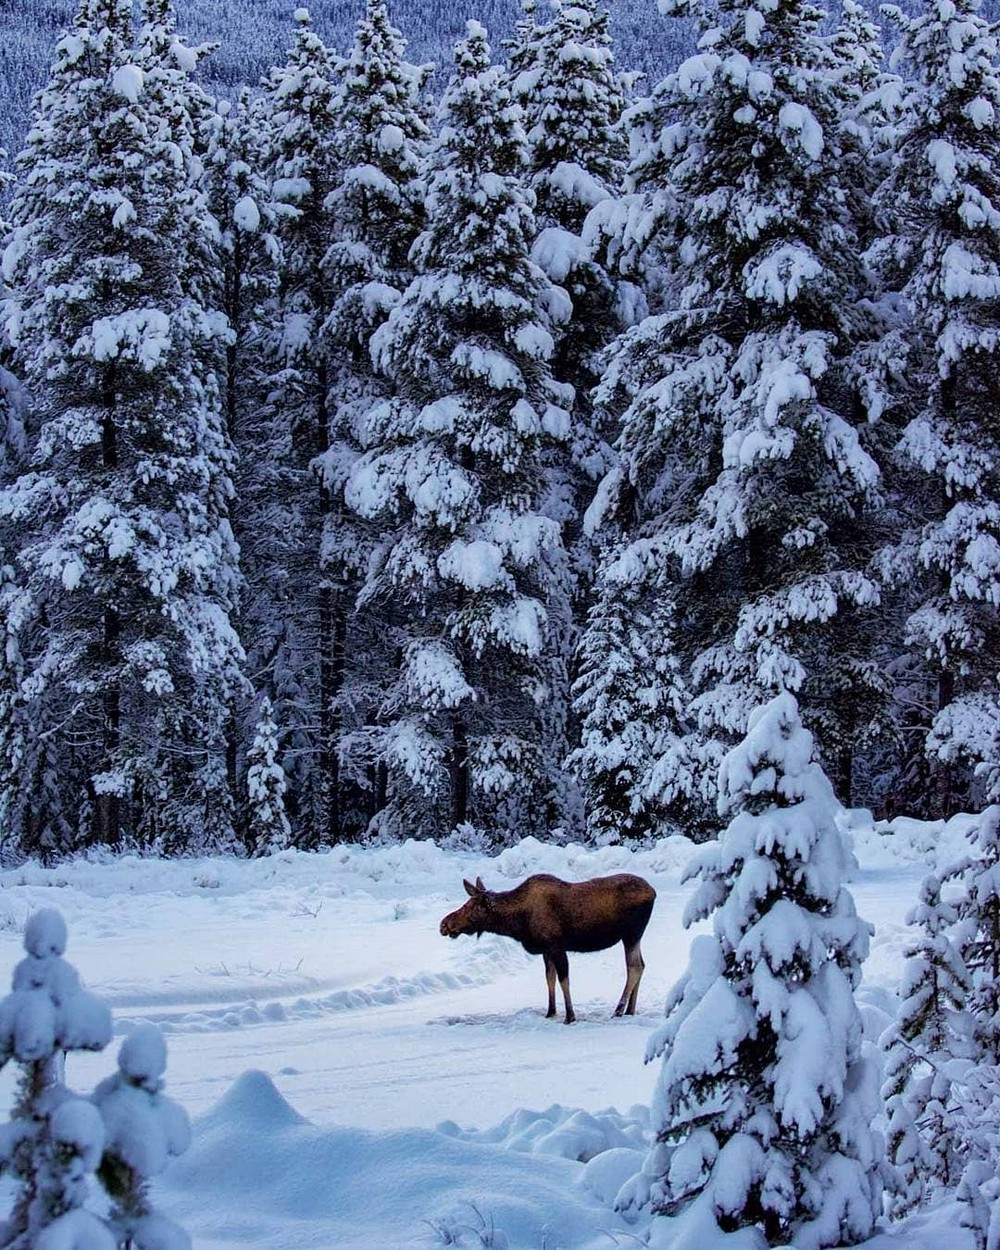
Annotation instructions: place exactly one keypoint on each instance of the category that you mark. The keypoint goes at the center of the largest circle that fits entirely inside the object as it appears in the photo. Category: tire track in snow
(487, 963)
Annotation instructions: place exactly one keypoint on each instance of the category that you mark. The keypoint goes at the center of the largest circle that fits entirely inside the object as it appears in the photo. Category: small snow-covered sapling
(54, 1139)
(145, 1129)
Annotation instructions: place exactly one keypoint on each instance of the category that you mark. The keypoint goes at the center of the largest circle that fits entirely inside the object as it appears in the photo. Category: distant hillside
(253, 35)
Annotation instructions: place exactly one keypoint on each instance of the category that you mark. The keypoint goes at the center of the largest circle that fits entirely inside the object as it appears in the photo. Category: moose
(550, 917)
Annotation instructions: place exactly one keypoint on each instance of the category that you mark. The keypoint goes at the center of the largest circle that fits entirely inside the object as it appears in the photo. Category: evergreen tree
(945, 202)
(54, 1140)
(573, 101)
(245, 287)
(932, 1031)
(301, 161)
(376, 212)
(633, 761)
(764, 1103)
(870, 97)
(943, 1054)
(119, 622)
(979, 1200)
(268, 828)
(743, 479)
(454, 473)
(979, 929)
(144, 1129)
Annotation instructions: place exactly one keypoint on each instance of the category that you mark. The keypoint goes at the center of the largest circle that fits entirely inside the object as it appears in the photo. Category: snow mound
(891, 843)
(257, 1172)
(254, 1105)
(562, 1132)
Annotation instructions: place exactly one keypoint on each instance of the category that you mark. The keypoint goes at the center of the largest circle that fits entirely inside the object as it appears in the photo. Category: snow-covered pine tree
(38, 803)
(764, 1102)
(573, 100)
(943, 1053)
(932, 1031)
(54, 1139)
(144, 1130)
(268, 829)
(454, 472)
(247, 278)
(870, 105)
(301, 160)
(245, 287)
(743, 478)
(376, 211)
(977, 1124)
(978, 1199)
(120, 617)
(945, 199)
(979, 929)
(632, 762)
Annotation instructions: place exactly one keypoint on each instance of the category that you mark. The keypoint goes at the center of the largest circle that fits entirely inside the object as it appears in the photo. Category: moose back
(550, 917)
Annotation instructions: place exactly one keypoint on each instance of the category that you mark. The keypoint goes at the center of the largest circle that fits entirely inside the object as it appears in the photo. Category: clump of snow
(45, 934)
(128, 81)
(246, 214)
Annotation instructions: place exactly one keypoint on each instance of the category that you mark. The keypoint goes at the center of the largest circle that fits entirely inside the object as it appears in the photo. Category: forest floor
(356, 1080)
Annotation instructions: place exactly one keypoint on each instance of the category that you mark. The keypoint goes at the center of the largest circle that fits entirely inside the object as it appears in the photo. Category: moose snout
(447, 930)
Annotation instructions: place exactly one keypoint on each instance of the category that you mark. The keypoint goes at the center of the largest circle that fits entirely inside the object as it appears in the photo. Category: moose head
(471, 917)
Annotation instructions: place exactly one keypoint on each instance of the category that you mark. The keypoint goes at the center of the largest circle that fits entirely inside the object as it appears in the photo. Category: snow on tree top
(775, 735)
(145, 1128)
(143, 1055)
(47, 1009)
(45, 934)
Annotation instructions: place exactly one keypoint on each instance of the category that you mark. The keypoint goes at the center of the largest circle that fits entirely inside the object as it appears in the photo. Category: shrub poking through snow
(764, 1103)
(56, 1140)
(145, 1129)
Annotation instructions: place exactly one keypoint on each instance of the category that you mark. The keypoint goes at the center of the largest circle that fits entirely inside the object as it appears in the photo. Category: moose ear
(480, 888)
(470, 889)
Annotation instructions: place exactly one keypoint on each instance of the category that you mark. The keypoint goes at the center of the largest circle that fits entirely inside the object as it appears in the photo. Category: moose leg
(561, 965)
(634, 966)
(550, 981)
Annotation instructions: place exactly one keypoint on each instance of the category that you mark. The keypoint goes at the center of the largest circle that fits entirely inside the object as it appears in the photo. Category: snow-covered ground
(356, 1080)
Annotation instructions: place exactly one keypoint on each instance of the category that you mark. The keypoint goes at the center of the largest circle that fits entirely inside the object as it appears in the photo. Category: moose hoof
(570, 1020)
(619, 1010)
(550, 1015)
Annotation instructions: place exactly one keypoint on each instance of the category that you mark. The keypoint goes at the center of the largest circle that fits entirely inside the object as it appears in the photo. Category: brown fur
(550, 917)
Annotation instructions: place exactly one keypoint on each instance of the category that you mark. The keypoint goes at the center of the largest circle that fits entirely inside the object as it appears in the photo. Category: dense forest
(249, 36)
(388, 456)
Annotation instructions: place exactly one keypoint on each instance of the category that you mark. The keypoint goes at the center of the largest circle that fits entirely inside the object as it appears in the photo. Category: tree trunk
(845, 774)
(458, 765)
(945, 774)
(333, 665)
(109, 805)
